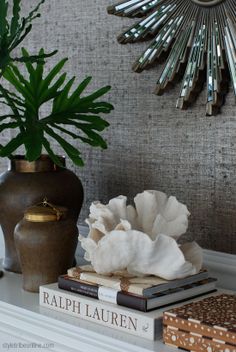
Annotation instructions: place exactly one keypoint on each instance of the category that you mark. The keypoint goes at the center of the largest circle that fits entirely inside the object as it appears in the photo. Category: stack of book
(206, 325)
(142, 294)
(122, 301)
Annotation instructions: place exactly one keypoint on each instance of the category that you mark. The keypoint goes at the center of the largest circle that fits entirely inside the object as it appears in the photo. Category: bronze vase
(46, 244)
(27, 183)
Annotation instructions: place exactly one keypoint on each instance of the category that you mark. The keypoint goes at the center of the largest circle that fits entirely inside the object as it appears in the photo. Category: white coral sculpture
(142, 239)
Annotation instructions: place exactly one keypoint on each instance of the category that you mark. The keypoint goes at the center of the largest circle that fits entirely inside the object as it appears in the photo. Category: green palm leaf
(68, 108)
(15, 18)
(34, 13)
(39, 68)
(28, 64)
(59, 103)
(16, 142)
(4, 117)
(33, 142)
(91, 142)
(51, 154)
(5, 126)
(71, 151)
(99, 93)
(93, 119)
(44, 84)
(3, 18)
(14, 32)
(52, 92)
(10, 76)
(81, 87)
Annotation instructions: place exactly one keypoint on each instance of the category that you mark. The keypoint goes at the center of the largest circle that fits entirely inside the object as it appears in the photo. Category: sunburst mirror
(195, 38)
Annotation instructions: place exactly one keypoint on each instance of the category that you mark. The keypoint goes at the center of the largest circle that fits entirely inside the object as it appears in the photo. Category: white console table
(25, 326)
(25, 323)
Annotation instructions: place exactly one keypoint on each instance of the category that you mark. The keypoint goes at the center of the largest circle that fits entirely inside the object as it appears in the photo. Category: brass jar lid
(45, 212)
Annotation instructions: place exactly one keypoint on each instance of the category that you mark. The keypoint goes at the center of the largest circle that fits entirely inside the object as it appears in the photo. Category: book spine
(78, 287)
(133, 302)
(148, 292)
(103, 294)
(101, 313)
(196, 327)
(194, 342)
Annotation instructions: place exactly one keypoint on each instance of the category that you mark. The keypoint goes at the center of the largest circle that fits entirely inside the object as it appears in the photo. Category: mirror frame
(196, 39)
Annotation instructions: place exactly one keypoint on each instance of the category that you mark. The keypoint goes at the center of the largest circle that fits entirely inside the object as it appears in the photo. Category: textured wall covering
(151, 144)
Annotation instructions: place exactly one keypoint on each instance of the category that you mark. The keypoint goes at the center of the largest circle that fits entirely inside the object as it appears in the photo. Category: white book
(146, 325)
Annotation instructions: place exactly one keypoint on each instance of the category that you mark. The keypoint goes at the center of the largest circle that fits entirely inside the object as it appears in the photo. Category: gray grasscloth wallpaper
(151, 144)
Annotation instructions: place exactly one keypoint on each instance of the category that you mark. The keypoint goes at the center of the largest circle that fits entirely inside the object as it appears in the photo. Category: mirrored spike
(216, 84)
(160, 45)
(176, 60)
(231, 10)
(147, 26)
(232, 30)
(194, 74)
(133, 8)
(230, 46)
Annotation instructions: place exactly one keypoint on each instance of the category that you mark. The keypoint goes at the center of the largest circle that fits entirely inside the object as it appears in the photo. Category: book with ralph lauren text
(146, 325)
(143, 324)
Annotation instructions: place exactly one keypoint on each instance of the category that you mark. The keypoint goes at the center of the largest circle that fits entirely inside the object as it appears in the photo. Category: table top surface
(25, 305)
(12, 293)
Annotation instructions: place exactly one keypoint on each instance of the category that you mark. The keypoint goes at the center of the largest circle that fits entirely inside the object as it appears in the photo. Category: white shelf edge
(38, 327)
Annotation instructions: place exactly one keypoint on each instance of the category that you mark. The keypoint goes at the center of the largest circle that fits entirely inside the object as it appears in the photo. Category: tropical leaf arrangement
(13, 32)
(72, 114)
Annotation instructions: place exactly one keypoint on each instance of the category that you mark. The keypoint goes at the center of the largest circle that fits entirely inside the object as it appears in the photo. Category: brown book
(213, 317)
